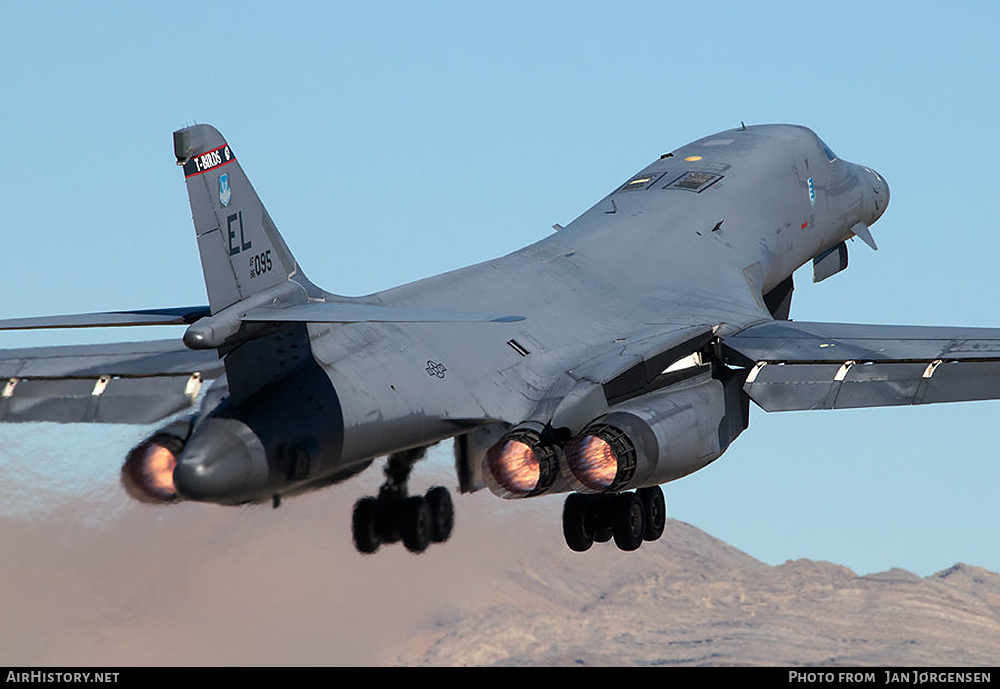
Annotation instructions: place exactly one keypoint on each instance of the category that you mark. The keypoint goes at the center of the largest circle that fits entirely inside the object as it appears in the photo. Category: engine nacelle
(650, 440)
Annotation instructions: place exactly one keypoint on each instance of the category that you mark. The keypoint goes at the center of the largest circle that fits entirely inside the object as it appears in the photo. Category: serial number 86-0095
(260, 263)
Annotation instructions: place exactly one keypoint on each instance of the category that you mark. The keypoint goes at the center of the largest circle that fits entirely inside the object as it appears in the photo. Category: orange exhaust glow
(592, 462)
(148, 473)
(514, 466)
(158, 467)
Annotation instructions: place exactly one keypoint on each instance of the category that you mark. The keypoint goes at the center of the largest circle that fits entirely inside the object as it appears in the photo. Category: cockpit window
(694, 181)
(640, 182)
(830, 155)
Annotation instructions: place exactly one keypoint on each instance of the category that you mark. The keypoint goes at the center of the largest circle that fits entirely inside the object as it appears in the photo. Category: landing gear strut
(629, 518)
(394, 515)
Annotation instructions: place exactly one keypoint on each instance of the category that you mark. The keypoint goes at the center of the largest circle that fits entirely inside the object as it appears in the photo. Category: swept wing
(130, 382)
(798, 366)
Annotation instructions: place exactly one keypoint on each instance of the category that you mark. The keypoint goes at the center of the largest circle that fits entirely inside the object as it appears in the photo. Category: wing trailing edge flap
(798, 366)
(136, 382)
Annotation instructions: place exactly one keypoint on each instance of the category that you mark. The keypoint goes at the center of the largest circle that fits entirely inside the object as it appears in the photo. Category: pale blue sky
(396, 140)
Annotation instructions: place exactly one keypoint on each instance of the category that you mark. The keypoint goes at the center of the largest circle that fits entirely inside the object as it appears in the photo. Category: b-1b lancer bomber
(614, 355)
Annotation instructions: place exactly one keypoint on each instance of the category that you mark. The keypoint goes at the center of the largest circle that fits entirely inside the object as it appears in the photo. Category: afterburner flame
(159, 464)
(592, 462)
(514, 466)
(148, 472)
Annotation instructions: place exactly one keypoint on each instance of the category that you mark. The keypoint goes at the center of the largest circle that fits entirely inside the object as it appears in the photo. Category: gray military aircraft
(617, 354)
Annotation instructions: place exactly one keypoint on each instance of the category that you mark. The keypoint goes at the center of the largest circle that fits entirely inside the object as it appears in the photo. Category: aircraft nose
(224, 461)
(877, 194)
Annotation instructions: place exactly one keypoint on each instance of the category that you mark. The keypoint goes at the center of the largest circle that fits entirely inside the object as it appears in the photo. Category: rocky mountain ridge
(690, 599)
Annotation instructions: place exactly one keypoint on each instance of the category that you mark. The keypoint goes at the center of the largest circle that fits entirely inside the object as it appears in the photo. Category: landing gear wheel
(577, 528)
(394, 515)
(417, 524)
(654, 510)
(629, 518)
(627, 521)
(364, 525)
(442, 513)
(600, 517)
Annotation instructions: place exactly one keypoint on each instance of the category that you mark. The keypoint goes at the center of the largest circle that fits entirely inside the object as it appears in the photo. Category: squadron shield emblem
(224, 193)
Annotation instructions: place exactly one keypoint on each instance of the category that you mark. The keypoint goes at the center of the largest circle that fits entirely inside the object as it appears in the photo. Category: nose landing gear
(417, 520)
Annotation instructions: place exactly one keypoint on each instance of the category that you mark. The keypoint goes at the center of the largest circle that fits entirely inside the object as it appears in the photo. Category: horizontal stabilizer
(799, 366)
(184, 315)
(340, 312)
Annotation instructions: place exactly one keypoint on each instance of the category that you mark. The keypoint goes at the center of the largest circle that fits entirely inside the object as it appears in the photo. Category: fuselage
(694, 240)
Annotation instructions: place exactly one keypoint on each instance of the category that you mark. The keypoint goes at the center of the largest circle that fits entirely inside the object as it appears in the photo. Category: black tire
(654, 509)
(627, 520)
(600, 515)
(416, 524)
(442, 513)
(364, 525)
(577, 528)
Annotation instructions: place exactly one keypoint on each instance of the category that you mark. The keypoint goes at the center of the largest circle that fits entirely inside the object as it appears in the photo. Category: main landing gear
(395, 515)
(628, 518)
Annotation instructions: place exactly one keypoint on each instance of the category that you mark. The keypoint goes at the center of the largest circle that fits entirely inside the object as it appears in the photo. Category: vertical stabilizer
(241, 251)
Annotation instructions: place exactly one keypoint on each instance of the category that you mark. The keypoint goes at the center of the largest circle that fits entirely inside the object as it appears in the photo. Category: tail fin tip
(241, 251)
